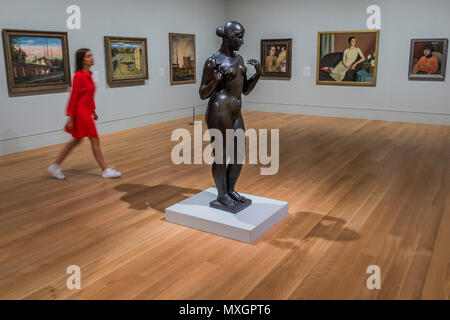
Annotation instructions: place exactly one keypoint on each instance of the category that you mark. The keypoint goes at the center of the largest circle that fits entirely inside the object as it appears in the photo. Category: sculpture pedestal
(245, 226)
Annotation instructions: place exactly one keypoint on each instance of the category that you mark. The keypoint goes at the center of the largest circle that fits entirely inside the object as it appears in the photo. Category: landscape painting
(126, 59)
(36, 61)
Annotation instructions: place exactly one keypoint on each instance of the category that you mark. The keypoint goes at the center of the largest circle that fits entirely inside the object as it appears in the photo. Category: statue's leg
(234, 169)
(219, 170)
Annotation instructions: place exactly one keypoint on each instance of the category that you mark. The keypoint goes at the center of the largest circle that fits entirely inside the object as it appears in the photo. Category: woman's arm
(363, 58)
(74, 96)
(210, 79)
(417, 66)
(251, 83)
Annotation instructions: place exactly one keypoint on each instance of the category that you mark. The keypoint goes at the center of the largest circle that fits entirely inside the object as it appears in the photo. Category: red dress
(81, 106)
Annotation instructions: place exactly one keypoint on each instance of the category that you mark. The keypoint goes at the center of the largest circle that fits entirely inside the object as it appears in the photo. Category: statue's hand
(255, 63)
(218, 75)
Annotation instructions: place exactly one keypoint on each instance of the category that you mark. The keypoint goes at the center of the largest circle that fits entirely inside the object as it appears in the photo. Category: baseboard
(358, 113)
(50, 138)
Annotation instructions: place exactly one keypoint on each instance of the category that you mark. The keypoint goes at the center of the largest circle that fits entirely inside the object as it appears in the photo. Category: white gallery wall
(394, 97)
(37, 120)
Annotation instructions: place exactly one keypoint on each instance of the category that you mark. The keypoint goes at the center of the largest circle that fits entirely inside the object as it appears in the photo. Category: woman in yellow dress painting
(349, 61)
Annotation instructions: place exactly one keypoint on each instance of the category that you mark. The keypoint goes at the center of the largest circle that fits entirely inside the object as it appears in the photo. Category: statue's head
(232, 33)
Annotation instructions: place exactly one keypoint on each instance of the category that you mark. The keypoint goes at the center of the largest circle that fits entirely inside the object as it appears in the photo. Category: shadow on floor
(331, 228)
(158, 197)
(323, 227)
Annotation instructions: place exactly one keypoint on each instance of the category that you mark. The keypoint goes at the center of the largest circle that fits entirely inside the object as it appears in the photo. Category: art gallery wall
(33, 121)
(394, 97)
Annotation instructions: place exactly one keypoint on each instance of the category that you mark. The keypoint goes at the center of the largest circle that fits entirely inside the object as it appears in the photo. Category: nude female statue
(223, 82)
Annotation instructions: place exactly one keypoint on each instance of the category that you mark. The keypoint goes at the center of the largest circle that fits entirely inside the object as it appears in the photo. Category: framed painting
(347, 58)
(126, 60)
(36, 61)
(182, 58)
(276, 58)
(428, 59)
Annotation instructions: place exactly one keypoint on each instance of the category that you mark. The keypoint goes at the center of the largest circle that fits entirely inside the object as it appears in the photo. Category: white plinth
(245, 226)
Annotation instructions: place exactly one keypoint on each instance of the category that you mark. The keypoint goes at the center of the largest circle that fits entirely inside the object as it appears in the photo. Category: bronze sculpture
(223, 82)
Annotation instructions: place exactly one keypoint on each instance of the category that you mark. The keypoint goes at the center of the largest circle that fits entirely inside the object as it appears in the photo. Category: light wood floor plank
(360, 193)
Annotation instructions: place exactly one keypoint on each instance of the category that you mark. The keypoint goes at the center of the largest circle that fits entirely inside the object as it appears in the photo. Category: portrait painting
(36, 61)
(276, 58)
(182, 58)
(347, 58)
(126, 60)
(428, 59)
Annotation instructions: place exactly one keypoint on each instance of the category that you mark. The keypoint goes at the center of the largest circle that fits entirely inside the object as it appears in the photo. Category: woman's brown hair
(79, 58)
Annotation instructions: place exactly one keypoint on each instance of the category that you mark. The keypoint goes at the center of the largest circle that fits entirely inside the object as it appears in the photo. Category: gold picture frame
(126, 60)
(36, 62)
(187, 73)
(284, 67)
(329, 52)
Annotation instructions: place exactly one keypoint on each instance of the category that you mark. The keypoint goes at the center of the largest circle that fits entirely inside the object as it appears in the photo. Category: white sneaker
(111, 173)
(55, 171)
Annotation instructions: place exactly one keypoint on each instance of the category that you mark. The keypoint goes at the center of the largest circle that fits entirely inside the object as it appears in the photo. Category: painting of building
(182, 58)
(126, 60)
(36, 61)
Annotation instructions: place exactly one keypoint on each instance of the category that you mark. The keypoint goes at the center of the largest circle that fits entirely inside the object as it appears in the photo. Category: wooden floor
(360, 193)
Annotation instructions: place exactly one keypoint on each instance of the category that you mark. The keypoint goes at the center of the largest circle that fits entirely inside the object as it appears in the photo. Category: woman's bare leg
(95, 142)
(67, 149)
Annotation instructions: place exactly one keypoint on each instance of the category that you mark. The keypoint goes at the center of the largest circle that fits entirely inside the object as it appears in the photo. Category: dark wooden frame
(171, 35)
(125, 80)
(348, 83)
(276, 75)
(31, 89)
(428, 77)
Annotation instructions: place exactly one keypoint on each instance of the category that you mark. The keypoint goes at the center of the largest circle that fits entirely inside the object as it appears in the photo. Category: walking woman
(81, 112)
